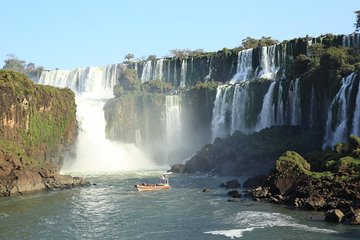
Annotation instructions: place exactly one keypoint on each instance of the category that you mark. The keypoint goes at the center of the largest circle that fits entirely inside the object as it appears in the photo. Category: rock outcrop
(334, 188)
(37, 124)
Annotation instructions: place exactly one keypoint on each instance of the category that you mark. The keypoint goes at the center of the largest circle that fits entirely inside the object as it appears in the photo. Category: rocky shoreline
(335, 190)
(18, 177)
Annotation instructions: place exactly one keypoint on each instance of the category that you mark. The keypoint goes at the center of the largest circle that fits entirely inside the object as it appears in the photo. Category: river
(112, 209)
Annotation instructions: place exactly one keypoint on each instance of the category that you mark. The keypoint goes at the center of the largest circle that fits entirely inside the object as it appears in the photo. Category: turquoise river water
(113, 209)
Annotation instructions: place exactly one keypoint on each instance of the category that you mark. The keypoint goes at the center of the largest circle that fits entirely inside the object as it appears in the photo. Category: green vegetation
(294, 161)
(250, 42)
(16, 64)
(156, 86)
(45, 116)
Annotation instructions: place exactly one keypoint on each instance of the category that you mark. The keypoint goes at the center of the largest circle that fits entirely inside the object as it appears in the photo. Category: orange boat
(164, 184)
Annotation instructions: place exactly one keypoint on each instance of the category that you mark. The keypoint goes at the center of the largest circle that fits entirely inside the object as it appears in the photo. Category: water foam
(251, 220)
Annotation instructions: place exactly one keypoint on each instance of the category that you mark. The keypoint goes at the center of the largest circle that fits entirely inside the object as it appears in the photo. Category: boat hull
(143, 188)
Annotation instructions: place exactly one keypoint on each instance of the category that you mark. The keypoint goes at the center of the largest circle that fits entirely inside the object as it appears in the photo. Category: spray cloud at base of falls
(92, 86)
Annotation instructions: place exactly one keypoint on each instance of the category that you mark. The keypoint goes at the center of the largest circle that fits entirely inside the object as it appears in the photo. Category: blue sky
(76, 33)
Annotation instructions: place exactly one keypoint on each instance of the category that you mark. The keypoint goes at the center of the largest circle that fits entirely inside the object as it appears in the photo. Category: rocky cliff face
(37, 124)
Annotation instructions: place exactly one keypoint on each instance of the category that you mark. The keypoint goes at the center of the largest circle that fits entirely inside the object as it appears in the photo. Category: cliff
(38, 124)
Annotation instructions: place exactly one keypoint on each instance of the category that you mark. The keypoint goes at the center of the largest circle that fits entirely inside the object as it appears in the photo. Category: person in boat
(163, 181)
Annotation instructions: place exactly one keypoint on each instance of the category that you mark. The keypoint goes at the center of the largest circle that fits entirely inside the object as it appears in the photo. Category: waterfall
(244, 66)
(159, 70)
(295, 104)
(138, 137)
(173, 121)
(352, 40)
(147, 72)
(266, 117)
(92, 86)
(356, 119)
(272, 62)
(210, 63)
(267, 63)
(280, 107)
(339, 109)
(221, 107)
(183, 73)
(312, 107)
(239, 103)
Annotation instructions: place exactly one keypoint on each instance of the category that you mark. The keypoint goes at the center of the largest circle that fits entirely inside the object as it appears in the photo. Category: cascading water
(183, 73)
(221, 107)
(280, 107)
(266, 116)
(295, 105)
(92, 86)
(356, 119)
(352, 40)
(173, 121)
(272, 61)
(240, 100)
(267, 63)
(244, 66)
(147, 72)
(159, 72)
(339, 105)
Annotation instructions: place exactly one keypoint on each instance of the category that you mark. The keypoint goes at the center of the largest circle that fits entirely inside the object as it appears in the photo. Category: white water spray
(95, 153)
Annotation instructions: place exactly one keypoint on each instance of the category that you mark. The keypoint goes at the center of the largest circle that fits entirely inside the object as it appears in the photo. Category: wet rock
(290, 168)
(355, 217)
(334, 215)
(260, 192)
(233, 192)
(177, 168)
(256, 181)
(315, 201)
(222, 185)
(233, 184)
(206, 190)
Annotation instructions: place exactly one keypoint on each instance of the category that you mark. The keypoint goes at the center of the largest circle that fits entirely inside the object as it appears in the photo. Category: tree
(13, 63)
(129, 56)
(357, 23)
(151, 58)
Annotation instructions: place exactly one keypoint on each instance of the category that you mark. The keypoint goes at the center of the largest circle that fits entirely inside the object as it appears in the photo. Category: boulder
(222, 185)
(177, 168)
(334, 215)
(315, 201)
(254, 182)
(260, 192)
(355, 217)
(206, 190)
(289, 169)
(233, 184)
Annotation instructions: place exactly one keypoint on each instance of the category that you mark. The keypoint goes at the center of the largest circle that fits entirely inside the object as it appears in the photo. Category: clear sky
(76, 33)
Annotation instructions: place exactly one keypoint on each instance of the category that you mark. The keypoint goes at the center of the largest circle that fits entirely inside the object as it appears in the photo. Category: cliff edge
(37, 125)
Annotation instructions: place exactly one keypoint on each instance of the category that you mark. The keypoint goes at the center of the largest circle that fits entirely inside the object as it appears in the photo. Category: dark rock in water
(222, 185)
(206, 190)
(177, 168)
(234, 194)
(233, 184)
(315, 201)
(234, 200)
(334, 215)
(355, 217)
(256, 181)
